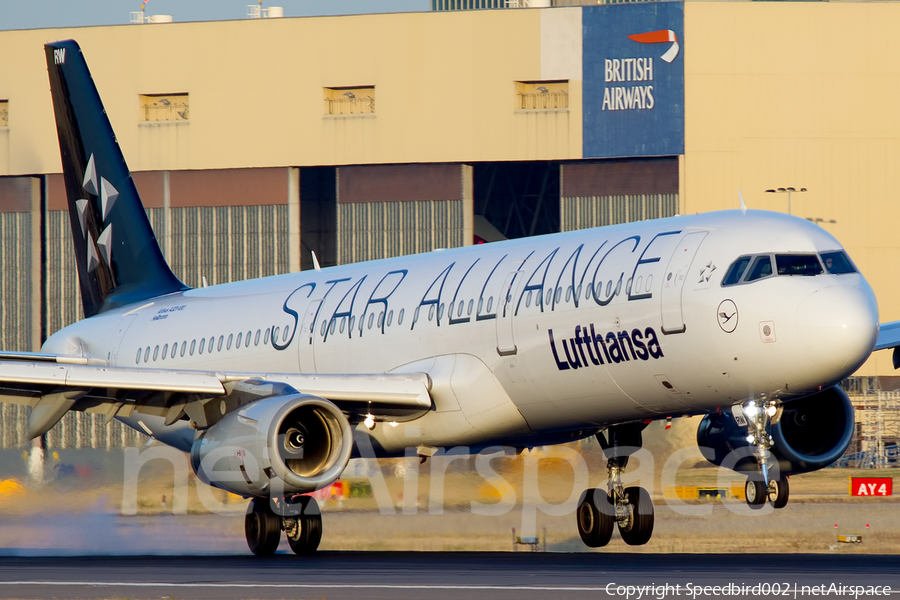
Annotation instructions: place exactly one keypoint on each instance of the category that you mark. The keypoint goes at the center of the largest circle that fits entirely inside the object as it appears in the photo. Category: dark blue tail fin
(119, 261)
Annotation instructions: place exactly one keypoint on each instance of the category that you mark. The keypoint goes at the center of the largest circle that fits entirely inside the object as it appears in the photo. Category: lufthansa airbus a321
(747, 317)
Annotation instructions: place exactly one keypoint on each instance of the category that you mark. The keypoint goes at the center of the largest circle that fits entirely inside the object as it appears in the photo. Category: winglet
(743, 206)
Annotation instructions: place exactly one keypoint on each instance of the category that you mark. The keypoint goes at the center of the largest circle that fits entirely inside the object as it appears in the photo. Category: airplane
(748, 317)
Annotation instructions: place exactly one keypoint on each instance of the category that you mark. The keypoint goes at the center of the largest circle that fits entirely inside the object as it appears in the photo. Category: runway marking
(534, 588)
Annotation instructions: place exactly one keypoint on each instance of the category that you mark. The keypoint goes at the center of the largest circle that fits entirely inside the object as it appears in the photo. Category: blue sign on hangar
(633, 92)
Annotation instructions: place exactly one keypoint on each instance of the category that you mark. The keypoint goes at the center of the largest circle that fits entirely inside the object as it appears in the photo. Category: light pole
(788, 191)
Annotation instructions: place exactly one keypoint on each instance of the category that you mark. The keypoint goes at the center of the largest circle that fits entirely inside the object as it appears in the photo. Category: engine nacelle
(812, 433)
(282, 444)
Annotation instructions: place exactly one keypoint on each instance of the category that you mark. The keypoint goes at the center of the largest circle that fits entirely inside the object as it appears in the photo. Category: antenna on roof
(315, 261)
(743, 206)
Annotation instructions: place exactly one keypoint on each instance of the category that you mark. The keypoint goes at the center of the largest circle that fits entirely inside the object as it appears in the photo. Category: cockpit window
(837, 263)
(762, 267)
(798, 264)
(736, 270)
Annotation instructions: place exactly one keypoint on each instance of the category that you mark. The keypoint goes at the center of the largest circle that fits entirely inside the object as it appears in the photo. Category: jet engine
(812, 433)
(291, 443)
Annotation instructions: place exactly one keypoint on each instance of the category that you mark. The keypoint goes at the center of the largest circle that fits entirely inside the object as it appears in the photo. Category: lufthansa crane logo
(727, 315)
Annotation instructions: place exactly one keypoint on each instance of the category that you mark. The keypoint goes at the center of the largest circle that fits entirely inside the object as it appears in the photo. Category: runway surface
(438, 576)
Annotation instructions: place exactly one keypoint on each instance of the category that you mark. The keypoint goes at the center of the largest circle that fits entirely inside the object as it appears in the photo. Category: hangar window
(4, 113)
(542, 95)
(350, 101)
(164, 107)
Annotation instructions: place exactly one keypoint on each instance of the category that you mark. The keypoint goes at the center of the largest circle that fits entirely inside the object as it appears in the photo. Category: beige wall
(776, 94)
(444, 84)
(800, 94)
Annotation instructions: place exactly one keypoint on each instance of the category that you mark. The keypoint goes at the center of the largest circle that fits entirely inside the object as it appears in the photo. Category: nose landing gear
(760, 487)
(631, 509)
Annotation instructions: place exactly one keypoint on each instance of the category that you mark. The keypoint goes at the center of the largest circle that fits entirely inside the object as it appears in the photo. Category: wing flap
(411, 390)
(55, 375)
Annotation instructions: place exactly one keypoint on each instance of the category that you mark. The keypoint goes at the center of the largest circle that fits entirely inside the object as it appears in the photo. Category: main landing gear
(300, 519)
(629, 508)
(760, 487)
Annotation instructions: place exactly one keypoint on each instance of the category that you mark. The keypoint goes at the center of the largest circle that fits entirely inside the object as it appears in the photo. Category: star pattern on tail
(100, 248)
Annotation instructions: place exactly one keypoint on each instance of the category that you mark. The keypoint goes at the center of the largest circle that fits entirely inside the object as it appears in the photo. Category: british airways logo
(588, 348)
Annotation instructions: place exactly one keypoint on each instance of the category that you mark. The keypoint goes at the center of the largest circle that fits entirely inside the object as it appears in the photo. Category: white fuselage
(529, 338)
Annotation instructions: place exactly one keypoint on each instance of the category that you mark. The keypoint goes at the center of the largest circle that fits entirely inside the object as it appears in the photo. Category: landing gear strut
(759, 487)
(631, 509)
(300, 519)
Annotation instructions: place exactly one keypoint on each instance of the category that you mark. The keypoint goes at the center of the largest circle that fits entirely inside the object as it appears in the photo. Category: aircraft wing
(55, 384)
(889, 337)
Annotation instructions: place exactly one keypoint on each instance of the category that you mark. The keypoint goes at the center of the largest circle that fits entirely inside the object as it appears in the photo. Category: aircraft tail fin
(119, 260)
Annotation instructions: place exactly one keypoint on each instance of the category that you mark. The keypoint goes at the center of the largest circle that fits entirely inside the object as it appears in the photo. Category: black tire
(262, 527)
(595, 517)
(778, 497)
(755, 492)
(639, 528)
(309, 526)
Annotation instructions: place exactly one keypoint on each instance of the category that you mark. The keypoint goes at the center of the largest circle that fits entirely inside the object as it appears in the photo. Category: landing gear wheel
(303, 529)
(638, 527)
(262, 527)
(779, 491)
(595, 518)
(756, 493)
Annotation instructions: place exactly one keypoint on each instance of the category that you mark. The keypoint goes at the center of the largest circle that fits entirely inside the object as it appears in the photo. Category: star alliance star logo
(101, 248)
(707, 272)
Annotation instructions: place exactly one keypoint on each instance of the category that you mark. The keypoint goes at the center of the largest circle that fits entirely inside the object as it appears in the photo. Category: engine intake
(813, 432)
(290, 443)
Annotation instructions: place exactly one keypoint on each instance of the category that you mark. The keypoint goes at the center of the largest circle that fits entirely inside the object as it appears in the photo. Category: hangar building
(255, 142)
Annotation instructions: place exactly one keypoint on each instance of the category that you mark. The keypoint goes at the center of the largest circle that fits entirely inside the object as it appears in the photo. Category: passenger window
(798, 264)
(202, 345)
(137, 358)
(237, 343)
(735, 271)
(193, 345)
(762, 267)
(221, 339)
(400, 316)
(837, 263)
(249, 333)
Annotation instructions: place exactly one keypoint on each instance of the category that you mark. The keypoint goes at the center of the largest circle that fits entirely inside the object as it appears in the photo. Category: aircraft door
(506, 343)
(306, 337)
(673, 282)
(115, 343)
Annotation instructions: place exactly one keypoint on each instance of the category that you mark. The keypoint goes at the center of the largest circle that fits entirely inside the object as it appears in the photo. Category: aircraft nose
(838, 327)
